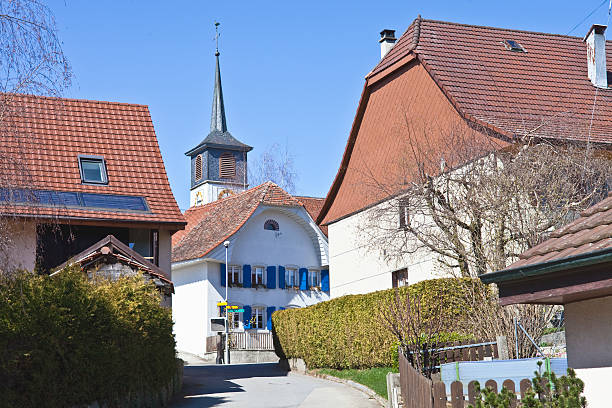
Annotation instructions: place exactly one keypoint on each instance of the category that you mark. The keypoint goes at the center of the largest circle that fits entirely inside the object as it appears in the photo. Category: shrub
(548, 391)
(348, 332)
(65, 341)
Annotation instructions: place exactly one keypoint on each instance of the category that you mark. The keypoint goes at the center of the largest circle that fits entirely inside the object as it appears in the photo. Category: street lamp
(226, 357)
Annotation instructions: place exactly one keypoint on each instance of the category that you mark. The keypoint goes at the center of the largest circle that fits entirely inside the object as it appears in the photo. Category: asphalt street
(263, 385)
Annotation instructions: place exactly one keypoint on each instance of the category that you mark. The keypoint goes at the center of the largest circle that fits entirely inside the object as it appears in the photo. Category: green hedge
(348, 332)
(65, 341)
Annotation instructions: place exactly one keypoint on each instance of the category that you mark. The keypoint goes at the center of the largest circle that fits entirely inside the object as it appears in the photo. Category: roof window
(513, 46)
(93, 169)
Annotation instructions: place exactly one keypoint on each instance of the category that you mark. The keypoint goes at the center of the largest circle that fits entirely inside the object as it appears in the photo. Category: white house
(277, 258)
(500, 86)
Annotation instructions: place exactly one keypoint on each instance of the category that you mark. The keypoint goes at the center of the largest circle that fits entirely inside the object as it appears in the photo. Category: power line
(586, 18)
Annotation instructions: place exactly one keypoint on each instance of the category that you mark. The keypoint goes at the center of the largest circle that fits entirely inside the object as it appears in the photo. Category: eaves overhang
(549, 267)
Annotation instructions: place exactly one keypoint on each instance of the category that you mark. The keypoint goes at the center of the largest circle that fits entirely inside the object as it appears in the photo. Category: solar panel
(74, 200)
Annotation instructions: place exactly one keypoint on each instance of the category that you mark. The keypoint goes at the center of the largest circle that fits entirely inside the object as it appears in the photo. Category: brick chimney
(387, 41)
(596, 55)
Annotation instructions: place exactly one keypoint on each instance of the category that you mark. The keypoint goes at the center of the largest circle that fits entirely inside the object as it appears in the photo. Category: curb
(360, 387)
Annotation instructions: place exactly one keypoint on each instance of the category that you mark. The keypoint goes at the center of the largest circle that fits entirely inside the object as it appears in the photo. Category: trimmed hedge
(348, 332)
(65, 341)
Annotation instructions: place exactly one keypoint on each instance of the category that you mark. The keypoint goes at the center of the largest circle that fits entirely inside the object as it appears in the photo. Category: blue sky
(292, 71)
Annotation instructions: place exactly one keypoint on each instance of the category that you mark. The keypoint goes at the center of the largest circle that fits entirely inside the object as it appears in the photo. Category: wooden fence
(420, 392)
(469, 351)
(251, 341)
(416, 389)
(457, 397)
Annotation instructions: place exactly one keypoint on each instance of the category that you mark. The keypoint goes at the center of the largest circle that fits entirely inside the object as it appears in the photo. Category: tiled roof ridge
(63, 99)
(311, 197)
(417, 32)
(502, 29)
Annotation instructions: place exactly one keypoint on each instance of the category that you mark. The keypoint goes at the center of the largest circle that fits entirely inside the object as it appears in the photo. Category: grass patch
(373, 378)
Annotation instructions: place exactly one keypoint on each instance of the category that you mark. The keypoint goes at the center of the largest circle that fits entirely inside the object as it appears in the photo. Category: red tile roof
(591, 232)
(210, 225)
(42, 137)
(313, 205)
(543, 93)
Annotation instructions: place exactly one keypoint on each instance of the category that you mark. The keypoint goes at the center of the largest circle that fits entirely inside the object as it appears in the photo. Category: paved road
(265, 386)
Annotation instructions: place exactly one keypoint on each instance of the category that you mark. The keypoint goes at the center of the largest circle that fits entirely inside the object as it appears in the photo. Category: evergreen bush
(66, 341)
(348, 332)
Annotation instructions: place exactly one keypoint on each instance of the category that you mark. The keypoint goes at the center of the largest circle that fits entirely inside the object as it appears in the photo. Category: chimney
(596, 55)
(387, 40)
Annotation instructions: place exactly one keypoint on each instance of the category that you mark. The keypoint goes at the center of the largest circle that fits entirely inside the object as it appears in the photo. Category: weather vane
(217, 36)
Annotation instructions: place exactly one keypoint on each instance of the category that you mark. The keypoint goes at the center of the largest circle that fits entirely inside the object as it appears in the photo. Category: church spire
(217, 121)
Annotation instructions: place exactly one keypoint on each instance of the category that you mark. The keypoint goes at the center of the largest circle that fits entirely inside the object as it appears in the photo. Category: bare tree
(474, 204)
(416, 325)
(31, 62)
(276, 165)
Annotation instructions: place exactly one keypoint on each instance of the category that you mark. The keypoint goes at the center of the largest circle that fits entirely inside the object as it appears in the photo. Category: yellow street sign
(221, 303)
(232, 307)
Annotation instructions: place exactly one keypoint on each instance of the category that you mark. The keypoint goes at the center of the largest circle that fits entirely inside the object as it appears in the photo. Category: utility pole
(226, 356)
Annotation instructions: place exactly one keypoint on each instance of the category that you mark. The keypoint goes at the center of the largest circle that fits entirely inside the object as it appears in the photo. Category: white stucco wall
(588, 330)
(588, 333)
(596, 386)
(18, 251)
(297, 244)
(357, 267)
(190, 308)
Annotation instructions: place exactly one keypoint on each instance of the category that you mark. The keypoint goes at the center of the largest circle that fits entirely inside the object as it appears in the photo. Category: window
(258, 318)
(314, 279)
(404, 215)
(291, 277)
(399, 278)
(227, 166)
(198, 167)
(257, 276)
(513, 46)
(93, 169)
(234, 274)
(271, 225)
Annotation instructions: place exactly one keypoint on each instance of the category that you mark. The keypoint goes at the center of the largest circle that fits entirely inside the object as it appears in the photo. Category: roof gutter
(548, 267)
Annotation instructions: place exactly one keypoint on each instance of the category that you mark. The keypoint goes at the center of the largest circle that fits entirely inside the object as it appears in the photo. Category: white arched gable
(296, 214)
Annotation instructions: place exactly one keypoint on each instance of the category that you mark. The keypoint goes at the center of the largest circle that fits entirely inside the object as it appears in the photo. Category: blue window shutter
(269, 312)
(303, 279)
(271, 272)
(281, 277)
(222, 274)
(246, 317)
(325, 280)
(246, 277)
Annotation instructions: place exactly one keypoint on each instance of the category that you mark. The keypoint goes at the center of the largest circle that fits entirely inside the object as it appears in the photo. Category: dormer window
(93, 169)
(227, 166)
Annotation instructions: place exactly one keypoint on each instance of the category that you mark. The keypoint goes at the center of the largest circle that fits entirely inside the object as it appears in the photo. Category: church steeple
(217, 120)
(219, 162)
